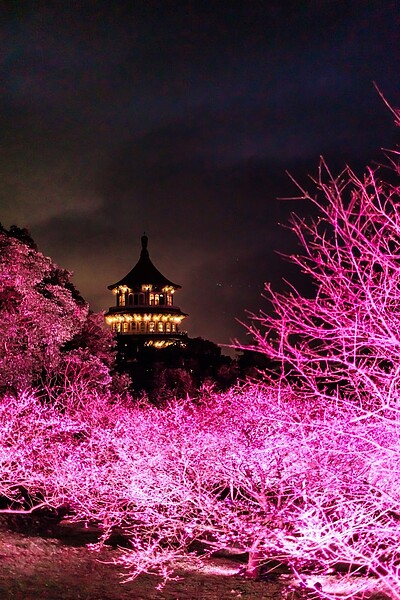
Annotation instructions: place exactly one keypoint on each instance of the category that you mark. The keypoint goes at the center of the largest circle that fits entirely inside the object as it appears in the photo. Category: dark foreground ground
(37, 568)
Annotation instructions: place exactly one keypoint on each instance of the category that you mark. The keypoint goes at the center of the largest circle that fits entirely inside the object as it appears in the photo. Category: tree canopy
(43, 318)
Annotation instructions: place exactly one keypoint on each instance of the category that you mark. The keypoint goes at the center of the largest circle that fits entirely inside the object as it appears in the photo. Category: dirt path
(34, 568)
(37, 568)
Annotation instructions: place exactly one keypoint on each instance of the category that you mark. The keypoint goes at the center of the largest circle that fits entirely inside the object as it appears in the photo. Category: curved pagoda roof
(144, 273)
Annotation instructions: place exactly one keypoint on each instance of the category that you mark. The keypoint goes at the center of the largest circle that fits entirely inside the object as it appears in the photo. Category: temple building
(145, 313)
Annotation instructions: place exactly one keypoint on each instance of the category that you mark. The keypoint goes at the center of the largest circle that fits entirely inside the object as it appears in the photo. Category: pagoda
(145, 313)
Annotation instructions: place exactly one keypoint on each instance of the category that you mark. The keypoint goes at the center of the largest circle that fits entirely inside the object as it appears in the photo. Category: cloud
(119, 119)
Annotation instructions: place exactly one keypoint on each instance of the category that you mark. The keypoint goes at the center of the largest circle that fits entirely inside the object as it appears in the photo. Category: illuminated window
(117, 327)
(160, 326)
(121, 299)
(151, 326)
(169, 300)
(168, 327)
(133, 327)
(151, 302)
(156, 299)
(173, 327)
(125, 327)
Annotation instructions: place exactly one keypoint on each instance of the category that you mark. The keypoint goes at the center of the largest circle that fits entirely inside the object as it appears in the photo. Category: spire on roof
(144, 272)
(145, 240)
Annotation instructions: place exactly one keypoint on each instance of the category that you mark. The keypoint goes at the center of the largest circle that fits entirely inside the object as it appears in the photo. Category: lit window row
(173, 318)
(144, 327)
(151, 299)
(160, 299)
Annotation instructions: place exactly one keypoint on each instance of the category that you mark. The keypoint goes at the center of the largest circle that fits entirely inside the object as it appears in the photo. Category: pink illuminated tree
(338, 349)
(43, 318)
(343, 341)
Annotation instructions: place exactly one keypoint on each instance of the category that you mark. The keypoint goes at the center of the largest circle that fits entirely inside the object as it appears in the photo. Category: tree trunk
(254, 563)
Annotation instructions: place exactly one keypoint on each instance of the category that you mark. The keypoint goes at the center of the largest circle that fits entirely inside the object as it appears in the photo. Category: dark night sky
(180, 119)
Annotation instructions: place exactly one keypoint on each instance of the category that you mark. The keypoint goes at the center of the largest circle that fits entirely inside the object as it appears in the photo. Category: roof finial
(145, 240)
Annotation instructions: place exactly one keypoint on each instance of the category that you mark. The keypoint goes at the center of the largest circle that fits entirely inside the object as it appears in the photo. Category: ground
(46, 568)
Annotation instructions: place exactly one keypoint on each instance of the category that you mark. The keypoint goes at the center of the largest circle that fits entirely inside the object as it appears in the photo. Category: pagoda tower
(145, 313)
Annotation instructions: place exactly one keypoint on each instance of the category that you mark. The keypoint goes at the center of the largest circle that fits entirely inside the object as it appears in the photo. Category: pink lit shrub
(308, 484)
